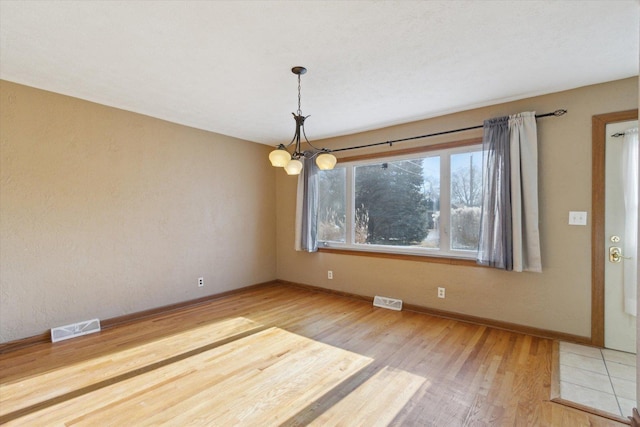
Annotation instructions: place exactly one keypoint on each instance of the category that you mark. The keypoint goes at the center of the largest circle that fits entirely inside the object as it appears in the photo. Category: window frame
(441, 255)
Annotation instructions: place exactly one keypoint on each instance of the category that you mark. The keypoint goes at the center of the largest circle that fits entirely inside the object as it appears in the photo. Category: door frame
(598, 136)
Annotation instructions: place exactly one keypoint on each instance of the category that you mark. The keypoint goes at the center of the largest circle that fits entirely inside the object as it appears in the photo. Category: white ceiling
(224, 66)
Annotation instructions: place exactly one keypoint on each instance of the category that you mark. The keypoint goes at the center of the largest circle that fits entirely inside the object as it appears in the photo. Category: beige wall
(104, 212)
(559, 299)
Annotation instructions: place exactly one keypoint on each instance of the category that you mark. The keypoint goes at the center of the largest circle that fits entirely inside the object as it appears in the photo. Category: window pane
(397, 203)
(466, 192)
(331, 205)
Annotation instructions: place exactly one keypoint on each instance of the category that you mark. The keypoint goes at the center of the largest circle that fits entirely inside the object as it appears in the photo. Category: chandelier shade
(326, 161)
(294, 167)
(281, 157)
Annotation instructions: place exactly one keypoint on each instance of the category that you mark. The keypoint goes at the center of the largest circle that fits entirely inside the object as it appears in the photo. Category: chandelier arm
(323, 150)
(284, 147)
(293, 139)
(299, 123)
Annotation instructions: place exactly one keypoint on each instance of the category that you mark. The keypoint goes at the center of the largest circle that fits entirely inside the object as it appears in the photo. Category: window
(422, 203)
(332, 205)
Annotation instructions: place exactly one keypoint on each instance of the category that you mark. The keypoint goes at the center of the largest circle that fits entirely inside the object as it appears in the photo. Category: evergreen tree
(390, 196)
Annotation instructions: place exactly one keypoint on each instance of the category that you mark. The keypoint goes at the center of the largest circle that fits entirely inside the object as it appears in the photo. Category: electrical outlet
(200, 282)
(440, 292)
(329, 274)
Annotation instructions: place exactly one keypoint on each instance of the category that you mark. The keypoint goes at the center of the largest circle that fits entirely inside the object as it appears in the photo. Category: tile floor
(601, 379)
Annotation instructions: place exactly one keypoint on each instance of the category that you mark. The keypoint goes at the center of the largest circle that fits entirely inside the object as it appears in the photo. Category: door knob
(615, 254)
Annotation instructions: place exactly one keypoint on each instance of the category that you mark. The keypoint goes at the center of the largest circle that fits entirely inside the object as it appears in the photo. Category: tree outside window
(395, 203)
(466, 198)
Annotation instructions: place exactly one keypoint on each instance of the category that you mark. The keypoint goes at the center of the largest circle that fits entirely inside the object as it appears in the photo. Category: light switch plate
(577, 218)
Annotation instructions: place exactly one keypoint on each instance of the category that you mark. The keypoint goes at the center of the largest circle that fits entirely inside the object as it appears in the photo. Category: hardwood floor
(280, 355)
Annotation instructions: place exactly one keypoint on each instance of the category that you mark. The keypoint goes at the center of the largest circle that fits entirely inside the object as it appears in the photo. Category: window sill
(406, 257)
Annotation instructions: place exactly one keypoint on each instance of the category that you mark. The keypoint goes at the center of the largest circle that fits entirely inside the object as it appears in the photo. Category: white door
(619, 327)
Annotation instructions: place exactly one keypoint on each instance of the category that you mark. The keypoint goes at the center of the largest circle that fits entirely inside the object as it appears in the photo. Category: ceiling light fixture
(280, 157)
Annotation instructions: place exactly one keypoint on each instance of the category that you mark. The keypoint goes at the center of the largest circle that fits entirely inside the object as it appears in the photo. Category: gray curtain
(494, 247)
(307, 207)
(509, 233)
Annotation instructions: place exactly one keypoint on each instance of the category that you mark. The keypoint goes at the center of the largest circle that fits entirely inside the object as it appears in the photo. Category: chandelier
(281, 158)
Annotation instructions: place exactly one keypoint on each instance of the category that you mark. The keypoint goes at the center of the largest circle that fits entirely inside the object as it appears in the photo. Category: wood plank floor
(284, 356)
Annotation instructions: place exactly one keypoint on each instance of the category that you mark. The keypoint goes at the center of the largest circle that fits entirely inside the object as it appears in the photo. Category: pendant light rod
(557, 113)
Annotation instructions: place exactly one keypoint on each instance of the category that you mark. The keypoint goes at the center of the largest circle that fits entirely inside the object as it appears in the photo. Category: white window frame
(444, 250)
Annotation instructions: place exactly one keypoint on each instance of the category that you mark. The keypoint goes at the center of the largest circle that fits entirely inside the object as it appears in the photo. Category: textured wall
(558, 299)
(104, 212)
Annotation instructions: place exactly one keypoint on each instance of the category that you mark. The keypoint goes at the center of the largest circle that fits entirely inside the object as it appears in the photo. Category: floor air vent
(75, 330)
(390, 303)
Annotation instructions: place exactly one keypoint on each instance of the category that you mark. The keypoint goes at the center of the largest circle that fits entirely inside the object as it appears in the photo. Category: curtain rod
(556, 113)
